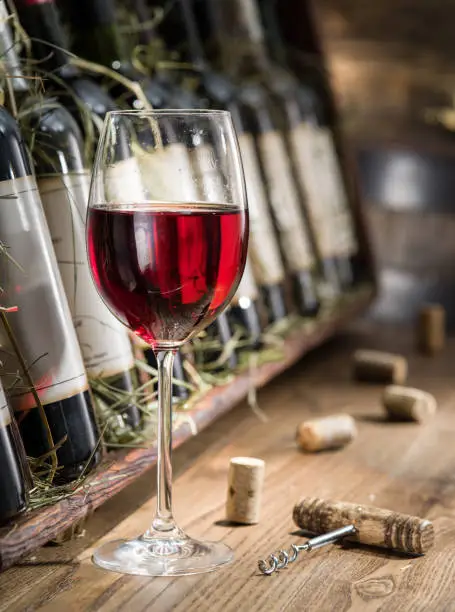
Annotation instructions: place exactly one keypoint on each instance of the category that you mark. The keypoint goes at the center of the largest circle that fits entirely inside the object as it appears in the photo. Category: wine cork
(408, 404)
(375, 526)
(245, 481)
(329, 432)
(431, 329)
(379, 367)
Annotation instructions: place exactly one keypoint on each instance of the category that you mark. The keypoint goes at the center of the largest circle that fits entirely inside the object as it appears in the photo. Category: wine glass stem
(164, 520)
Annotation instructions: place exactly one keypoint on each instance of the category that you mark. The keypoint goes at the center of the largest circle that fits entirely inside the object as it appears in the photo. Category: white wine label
(211, 187)
(168, 175)
(5, 415)
(308, 158)
(210, 184)
(42, 325)
(247, 288)
(336, 192)
(284, 198)
(263, 247)
(123, 182)
(103, 339)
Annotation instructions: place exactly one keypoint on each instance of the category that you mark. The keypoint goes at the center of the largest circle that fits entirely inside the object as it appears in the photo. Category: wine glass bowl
(167, 234)
(165, 259)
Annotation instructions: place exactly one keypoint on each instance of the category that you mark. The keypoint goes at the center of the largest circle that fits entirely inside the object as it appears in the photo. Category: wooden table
(405, 467)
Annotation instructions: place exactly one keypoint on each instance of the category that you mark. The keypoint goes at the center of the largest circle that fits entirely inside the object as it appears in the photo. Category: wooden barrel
(409, 195)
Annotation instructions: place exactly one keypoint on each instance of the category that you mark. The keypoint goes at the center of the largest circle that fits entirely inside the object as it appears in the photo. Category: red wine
(166, 271)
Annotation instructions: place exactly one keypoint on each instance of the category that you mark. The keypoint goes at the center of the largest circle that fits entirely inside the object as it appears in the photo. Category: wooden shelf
(119, 469)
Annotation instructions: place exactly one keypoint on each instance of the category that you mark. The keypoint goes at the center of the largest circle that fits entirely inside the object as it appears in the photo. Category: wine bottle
(317, 160)
(192, 187)
(64, 187)
(245, 308)
(243, 32)
(42, 326)
(294, 109)
(217, 335)
(195, 185)
(49, 45)
(50, 50)
(125, 183)
(42, 22)
(282, 191)
(179, 392)
(64, 182)
(180, 31)
(96, 37)
(12, 485)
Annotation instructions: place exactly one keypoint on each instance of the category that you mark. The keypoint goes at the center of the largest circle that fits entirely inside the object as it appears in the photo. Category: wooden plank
(120, 469)
(405, 467)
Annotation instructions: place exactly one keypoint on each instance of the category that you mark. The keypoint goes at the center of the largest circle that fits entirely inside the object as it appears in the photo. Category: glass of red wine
(167, 234)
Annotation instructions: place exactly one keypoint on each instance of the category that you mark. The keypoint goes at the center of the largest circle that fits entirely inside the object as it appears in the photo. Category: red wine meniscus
(165, 269)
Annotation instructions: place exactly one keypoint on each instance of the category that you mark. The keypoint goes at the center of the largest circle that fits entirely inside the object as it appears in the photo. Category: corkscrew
(282, 558)
(403, 533)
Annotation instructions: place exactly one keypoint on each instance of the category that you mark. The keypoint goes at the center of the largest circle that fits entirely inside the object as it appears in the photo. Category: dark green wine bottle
(316, 156)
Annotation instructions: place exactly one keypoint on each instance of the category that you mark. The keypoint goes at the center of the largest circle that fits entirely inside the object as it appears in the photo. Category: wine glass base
(162, 557)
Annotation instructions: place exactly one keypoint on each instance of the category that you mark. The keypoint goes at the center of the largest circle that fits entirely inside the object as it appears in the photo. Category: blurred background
(392, 70)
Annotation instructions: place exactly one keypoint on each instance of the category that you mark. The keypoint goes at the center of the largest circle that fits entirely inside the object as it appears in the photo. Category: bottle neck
(273, 33)
(234, 26)
(177, 26)
(95, 32)
(307, 95)
(179, 30)
(10, 65)
(41, 21)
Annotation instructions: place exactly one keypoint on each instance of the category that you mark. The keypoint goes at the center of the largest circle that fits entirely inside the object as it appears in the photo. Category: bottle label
(212, 189)
(308, 158)
(336, 192)
(5, 414)
(285, 202)
(263, 247)
(168, 175)
(42, 325)
(209, 182)
(123, 182)
(103, 339)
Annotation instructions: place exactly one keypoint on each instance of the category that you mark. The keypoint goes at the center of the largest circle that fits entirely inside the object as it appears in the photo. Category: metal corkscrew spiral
(282, 558)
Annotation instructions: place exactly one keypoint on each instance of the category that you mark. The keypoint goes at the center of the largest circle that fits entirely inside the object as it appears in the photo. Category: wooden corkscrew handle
(375, 526)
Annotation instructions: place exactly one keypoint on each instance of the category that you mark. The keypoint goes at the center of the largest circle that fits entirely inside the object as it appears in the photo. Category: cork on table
(404, 466)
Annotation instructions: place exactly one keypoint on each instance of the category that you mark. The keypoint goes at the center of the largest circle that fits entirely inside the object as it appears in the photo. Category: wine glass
(167, 234)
